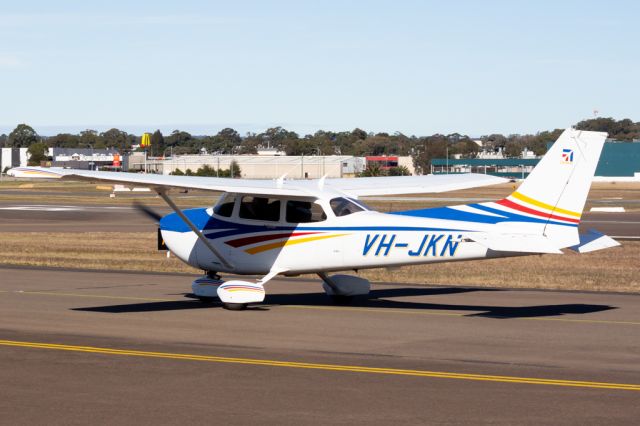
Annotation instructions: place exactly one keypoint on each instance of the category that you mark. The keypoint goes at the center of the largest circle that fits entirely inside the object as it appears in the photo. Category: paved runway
(80, 347)
(26, 217)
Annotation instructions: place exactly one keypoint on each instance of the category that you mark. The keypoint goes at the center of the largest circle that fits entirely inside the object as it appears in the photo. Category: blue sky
(417, 67)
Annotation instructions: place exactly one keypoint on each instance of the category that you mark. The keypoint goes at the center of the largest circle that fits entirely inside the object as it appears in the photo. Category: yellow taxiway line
(325, 367)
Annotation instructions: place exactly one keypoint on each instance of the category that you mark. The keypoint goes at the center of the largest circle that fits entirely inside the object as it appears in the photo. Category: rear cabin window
(260, 208)
(225, 207)
(304, 212)
(343, 207)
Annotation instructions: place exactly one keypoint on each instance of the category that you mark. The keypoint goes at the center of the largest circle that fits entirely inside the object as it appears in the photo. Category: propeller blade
(147, 211)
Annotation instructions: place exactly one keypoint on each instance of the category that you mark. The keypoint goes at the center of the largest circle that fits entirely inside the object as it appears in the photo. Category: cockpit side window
(224, 207)
(260, 208)
(343, 207)
(304, 212)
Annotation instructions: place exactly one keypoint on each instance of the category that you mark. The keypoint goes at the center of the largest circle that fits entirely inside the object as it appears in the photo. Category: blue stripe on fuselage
(448, 213)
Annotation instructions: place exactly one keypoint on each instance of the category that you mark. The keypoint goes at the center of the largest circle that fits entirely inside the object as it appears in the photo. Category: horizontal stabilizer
(594, 240)
(516, 243)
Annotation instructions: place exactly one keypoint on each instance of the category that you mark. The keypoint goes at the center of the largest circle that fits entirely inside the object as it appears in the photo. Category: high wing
(155, 181)
(396, 185)
(386, 185)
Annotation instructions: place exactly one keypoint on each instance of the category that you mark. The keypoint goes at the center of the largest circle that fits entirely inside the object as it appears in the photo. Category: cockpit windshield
(224, 207)
(344, 206)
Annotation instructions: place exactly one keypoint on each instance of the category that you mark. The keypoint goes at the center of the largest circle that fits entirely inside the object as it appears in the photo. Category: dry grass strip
(616, 269)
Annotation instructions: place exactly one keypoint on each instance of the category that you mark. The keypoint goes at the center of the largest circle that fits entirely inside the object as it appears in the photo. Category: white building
(13, 157)
(259, 166)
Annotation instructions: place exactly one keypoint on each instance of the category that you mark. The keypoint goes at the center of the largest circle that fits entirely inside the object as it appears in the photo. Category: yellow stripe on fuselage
(537, 203)
(265, 247)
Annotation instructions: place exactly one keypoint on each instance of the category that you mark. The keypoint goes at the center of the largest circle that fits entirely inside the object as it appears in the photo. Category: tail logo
(567, 156)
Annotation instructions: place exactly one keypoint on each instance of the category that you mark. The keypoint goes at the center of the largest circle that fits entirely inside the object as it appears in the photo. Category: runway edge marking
(326, 367)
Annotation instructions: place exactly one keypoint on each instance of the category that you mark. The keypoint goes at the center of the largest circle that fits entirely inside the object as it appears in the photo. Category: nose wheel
(234, 306)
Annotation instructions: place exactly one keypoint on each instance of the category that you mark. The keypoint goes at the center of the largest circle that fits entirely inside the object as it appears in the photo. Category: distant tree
(359, 134)
(3, 140)
(64, 140)
(624, 130)
(465, 147)
(206, 170)
(90, 138)
(399, 171)
(431, 147)
(114, 138)
(177, 172)
(249, 144)
(513, 149)
(538, 144)
(282, 139)
(22, 136)
(322, 142)
(182, 143)
(37, 152)
(188, 172)
(225, 141)
(372, 170)
(157, 144)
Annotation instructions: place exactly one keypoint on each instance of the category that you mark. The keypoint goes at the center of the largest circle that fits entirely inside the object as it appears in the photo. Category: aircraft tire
(235, 306)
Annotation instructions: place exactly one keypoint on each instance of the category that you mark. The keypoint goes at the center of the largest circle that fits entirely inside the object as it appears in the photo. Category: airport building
(268, 166)
(13, 157)
(256, 166)
(620, 161)
(84, 158)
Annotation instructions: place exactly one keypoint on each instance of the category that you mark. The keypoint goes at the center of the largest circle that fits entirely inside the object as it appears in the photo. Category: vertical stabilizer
(557, 188)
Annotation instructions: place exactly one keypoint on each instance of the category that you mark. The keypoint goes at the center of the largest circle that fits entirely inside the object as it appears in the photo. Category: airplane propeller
(147, 211)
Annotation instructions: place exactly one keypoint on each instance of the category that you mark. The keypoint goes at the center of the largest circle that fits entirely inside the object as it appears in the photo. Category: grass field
(614, 269)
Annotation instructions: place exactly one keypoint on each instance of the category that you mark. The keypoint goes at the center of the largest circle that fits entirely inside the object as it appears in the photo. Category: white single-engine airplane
(291, 227)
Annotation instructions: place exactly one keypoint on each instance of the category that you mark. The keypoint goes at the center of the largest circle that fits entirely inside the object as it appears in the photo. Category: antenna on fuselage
(280, 181)
(321, 181)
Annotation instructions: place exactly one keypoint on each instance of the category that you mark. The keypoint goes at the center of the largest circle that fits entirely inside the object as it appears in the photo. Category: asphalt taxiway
(111, 347)
(106, 347)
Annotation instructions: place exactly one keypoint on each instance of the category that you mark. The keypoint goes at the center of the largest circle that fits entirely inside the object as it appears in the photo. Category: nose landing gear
(235, 295)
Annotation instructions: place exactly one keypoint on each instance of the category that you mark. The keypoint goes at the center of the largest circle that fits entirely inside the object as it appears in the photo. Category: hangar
(620, 161)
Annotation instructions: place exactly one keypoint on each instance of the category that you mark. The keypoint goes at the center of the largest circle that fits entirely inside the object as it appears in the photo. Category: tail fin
(557, 188)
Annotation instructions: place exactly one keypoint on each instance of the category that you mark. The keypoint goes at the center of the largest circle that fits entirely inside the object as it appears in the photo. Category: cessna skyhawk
(290, 227)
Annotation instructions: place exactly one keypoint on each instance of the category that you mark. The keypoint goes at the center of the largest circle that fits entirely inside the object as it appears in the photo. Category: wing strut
(194, 228)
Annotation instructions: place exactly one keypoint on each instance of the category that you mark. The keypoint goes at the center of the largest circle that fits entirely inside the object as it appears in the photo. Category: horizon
(210, 130)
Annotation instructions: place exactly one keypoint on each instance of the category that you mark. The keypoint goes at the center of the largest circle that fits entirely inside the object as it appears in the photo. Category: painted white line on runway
(61, 208)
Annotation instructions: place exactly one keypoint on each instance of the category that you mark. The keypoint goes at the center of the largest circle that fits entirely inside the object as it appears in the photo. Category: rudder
(558, 186)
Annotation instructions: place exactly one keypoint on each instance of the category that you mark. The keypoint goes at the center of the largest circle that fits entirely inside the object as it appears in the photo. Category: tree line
(357, 142)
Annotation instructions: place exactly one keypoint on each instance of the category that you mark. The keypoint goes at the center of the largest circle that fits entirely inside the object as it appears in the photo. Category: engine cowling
(347, 285)
(240, 292)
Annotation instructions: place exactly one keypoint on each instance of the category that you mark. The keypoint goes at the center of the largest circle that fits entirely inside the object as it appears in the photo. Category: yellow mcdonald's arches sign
(146, 140)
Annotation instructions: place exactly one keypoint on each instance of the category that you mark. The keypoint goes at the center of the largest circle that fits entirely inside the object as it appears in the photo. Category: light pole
(447, 160)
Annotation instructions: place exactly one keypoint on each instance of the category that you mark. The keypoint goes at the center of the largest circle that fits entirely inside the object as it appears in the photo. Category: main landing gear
(237, 295)
(342, 289)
